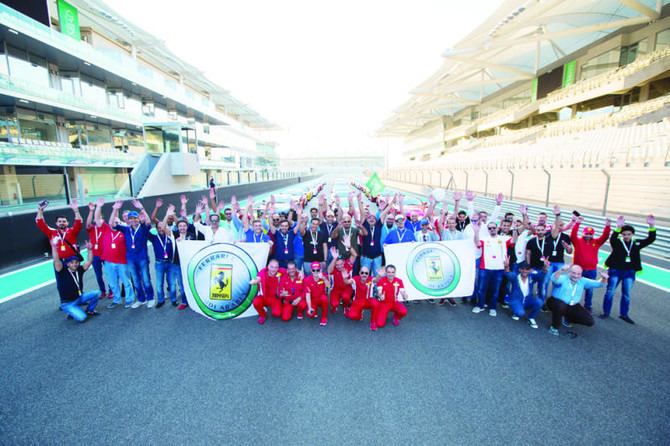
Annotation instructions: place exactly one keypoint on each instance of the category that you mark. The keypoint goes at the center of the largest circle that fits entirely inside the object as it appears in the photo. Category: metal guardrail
(660, 248)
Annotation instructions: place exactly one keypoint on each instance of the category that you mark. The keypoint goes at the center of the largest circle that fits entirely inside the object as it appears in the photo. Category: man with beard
(389, 289)
(315, 244)
(67, 236)
(268, 295)
(291, 290)
(364, 297)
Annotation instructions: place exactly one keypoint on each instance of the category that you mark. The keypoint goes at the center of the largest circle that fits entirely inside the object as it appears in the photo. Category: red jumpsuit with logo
(268, 295)
(390, 291)
(318, 296)
(340, 289)
(295, 288)
(363, 300)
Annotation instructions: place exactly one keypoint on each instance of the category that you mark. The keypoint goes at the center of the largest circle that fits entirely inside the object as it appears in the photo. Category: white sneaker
(136, 304)
(493, 313)
(532, 323)
(515, 317)
(152, 303)
(477, 310)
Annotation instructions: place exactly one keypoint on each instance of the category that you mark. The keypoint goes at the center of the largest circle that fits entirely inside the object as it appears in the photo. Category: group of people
(331, 256)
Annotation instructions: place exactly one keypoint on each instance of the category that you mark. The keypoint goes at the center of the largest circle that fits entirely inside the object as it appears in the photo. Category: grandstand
(92, 105)
(550, 102)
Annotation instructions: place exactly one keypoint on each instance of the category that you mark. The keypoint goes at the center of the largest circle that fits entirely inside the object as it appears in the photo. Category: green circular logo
(433, 269)
(218, 277)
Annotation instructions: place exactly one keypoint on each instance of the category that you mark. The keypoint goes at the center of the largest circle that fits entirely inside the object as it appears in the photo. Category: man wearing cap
(623, 263)
(340, 270)
(268, 293)
(586, 252)
(70, 283)
(521, 297)
(137, 253)
(426, 233)
(67, 236)
(315, 293)
(400, 234)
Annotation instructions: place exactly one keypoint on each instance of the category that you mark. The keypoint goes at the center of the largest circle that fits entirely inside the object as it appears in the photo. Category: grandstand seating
(20, 148)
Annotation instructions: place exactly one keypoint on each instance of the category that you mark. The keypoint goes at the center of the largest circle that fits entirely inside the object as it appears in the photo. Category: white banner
(434, 270)
(216, 276)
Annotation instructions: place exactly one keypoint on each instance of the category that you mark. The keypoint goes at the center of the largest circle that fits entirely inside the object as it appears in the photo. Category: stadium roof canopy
(517, 41)
(98, 15)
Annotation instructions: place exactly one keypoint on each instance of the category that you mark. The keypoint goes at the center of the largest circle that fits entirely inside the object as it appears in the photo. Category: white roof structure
(513, 44)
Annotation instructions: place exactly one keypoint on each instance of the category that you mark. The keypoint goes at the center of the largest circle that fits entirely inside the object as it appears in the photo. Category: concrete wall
(23, 243)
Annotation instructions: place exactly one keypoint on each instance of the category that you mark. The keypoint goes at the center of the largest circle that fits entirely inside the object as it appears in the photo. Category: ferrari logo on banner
(434, 269)
(216, 276)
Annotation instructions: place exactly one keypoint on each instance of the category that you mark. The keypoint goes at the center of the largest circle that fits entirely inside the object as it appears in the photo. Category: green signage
(375, 185)
(569, 74)
(69, 19)
(533, 93)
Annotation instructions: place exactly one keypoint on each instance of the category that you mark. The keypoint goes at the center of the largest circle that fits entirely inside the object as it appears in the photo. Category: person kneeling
(568, 290)
(292, 287)
(70, 283)
(521, 298)
(364, 299)
(315, 293)
(268, 296)
(389, 288)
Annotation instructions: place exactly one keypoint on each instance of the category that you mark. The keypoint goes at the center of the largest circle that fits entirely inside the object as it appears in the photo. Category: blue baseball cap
(424, 221)
(133, 214)
(71, 258)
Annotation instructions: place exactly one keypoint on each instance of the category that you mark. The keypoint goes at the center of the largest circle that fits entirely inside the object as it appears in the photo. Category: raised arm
(159, 203)
(431, 207)
(58, 265)
(98, 212)
(89, 217)
(183, 212)
(457, 201)
(115, 212)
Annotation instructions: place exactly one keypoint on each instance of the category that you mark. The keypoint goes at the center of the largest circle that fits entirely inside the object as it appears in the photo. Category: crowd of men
(331, 257)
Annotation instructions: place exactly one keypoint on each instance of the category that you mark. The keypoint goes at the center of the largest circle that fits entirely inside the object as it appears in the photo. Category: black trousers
(575, 314)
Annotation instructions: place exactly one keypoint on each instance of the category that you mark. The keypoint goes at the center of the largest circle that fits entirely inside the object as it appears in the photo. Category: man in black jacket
(623, 263)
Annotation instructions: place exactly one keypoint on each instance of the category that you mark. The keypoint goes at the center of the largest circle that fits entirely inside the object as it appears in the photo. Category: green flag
(375, 185)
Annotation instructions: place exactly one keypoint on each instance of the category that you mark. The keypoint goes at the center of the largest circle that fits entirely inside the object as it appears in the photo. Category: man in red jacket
(268, 296)
(291, 290)
(586, 253)
(315, 293)
(66, 236)
(389, 289)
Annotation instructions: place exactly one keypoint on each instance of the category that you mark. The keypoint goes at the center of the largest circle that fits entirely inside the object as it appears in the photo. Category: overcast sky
(327, 73)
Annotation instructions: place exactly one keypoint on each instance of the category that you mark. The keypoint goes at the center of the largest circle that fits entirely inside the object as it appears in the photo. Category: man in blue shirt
(567, 294)
(371, 246)
(137, 236)
(400, 234)
(163, 244)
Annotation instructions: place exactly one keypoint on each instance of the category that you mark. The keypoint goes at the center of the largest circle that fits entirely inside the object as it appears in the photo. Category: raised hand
(91, 206)
(137, 204)
(523, 209)
(74, 204)
(333, 251)
(620, 221)
(580, 220)
(233, 201)
(199, 208)
(499, 199)
(212, 194)
(203, 200)
(557, 209)
(469, 195)
(457, 196)
(272, 199)
(431, 199)
(117, 205)
(651, 220)
(183, 199)
(608, 221)
(170, 209)
(42, 207)
(159, 202)
(101, 201)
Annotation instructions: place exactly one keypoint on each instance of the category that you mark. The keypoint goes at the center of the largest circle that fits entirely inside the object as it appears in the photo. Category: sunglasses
(214, 220)
(492, 228)
(363, 273)
(316, 270)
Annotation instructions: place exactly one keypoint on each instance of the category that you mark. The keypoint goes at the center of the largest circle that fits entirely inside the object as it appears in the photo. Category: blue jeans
(298, 259)
(73, 309)
(627, 279)
(164, 269)
(547, 278)
(97, 267)
(180, 280)
(114, 273)
(588, 294)
(531, 303)
(475, 290)
(139, 272)
(373, 264)
(489, 278)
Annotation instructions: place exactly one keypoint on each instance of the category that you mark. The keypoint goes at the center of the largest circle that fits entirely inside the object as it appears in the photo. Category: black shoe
(627, 319)
(464, 300)
(604, 316)
(544, 309)
(69, 317)
(174, 303)
(160, 304)
(451, 302)
(92, 313)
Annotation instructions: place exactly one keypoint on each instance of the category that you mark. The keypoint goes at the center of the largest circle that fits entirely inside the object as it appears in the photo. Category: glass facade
(600, 64)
